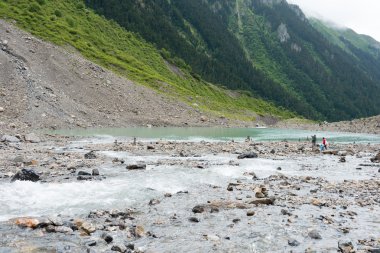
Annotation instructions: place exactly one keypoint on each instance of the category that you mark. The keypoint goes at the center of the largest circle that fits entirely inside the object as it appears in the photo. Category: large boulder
(26, 175)
(376, 159)
(33, 138)
(248, 155)
(10, 138)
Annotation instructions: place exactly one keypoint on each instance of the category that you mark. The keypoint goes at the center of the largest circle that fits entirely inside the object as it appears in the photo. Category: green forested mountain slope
(265, 46)
(364, 48)
(70, 23)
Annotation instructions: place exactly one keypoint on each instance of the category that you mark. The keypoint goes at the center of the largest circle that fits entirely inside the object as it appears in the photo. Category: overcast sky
(363, 16)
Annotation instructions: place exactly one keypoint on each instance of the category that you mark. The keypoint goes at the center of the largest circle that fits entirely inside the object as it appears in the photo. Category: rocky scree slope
(45, 86)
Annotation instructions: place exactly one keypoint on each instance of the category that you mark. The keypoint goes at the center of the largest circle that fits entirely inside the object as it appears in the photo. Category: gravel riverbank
(102, 195)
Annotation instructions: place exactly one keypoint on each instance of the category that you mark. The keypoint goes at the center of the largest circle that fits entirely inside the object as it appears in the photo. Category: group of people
(322, 146)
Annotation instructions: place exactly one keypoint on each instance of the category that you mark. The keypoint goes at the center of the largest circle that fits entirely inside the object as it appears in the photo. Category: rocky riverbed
(125, 195)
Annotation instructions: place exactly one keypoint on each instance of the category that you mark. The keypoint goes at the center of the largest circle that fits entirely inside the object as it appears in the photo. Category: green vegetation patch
(69, 23)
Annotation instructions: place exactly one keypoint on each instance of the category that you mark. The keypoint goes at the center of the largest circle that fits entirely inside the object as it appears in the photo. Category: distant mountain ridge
(267, 47)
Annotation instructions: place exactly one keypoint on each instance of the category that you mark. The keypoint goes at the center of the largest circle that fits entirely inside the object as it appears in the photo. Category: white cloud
(360, 15)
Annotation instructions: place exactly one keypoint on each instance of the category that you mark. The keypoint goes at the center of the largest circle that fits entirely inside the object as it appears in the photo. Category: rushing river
(267, 231)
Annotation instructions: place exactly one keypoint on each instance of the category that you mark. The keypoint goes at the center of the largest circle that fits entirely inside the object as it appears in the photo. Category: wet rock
(236, 220)
(342, 159)
(136, 167)
(84, 178)
(27, 222)
(198, 209)
(9, 138)
(194, 219)
(273, 151)
(279, 168)
(32, 138)
(119, 248)
(285, 212)
(248, 155)
(26, 175)
(250, 213)
(168, 195)
(314, 234)
(95, 172)
(376, 159)
(90, 155)
(154, 202)
(88, 227)
(84, 173)
(263, 201)
(293, 243)
(130, 246)
(107, 238)
(345, 246)
(150, 147)
(90, 243)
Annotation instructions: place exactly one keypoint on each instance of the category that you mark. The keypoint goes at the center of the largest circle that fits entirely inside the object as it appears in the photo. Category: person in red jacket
(324, 143)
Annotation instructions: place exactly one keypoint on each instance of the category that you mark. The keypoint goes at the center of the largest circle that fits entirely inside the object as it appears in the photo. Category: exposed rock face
(26, 175)
(282, 33)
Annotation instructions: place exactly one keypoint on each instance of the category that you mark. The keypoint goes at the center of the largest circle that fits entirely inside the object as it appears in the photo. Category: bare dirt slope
(45, 86)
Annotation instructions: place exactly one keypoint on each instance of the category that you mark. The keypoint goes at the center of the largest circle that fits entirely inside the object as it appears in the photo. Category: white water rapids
(124, 188)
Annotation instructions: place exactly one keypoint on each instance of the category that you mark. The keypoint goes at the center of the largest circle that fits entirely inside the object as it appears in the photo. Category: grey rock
(84, 178)
(90, 155)
(345, 246)
(314, 234)
(198, 209)
(26, 175)
(19, 159)
(119, 248)
(293, 243)
(136, 167)
(90, 243)
(10, 138)
(84, 173)
(263, 201)
(33, 138)
(154, 202)
(63, 229)
(95, 172)
(248, 155)
(56, 221)
(194, 219)
(107, 238)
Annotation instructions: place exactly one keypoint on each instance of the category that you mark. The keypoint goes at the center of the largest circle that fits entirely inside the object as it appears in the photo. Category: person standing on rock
(324, 143)
(313, 140)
